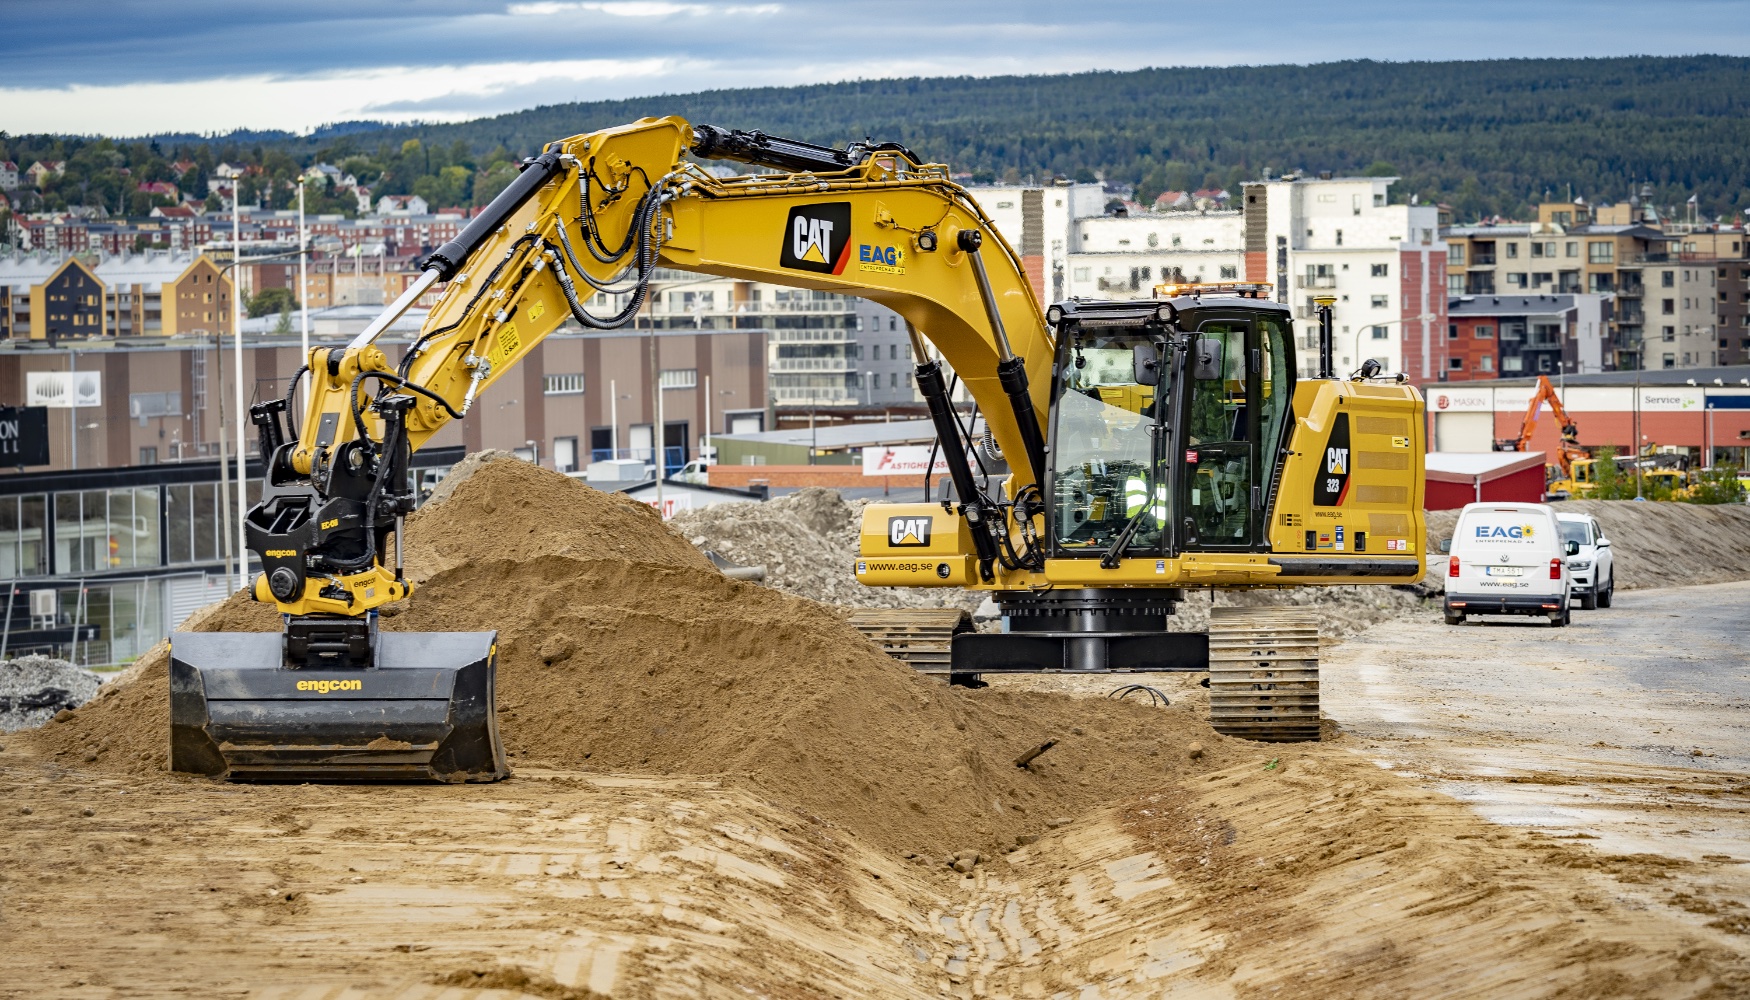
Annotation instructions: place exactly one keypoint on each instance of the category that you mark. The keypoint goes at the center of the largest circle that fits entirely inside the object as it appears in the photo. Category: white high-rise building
(1385, 265)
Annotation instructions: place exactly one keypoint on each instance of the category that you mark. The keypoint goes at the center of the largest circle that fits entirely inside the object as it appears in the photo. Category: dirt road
(1626, 730)
(1288, 872)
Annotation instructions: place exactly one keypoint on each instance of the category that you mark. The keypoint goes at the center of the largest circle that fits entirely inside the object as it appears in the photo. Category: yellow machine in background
(1151, 446)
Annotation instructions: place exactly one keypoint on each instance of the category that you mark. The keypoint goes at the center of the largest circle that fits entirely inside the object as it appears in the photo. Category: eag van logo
(817, 238)
(882, 260)
(1515, 532)
(908, 531)
(1331, 485)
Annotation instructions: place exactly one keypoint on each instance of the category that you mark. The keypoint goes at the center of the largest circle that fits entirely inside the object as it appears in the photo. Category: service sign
(1670, 400)
(63, 390)
(903, 460)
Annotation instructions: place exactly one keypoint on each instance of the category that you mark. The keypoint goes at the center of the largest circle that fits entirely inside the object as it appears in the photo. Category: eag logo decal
(908, 531)
(1331, 486)
(817, 238)
(880, 259)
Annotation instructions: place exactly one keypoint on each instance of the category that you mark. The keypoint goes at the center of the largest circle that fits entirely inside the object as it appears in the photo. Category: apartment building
(1509, 336)
(1572, 248)
(155, 294)
(1123, 257)
(1385, 264)
(1682, 314)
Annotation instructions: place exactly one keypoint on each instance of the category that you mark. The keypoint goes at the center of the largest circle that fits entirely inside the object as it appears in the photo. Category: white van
(1508, 559)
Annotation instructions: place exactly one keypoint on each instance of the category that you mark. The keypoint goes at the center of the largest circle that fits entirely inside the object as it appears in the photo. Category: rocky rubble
(807, 542)
(34, 688)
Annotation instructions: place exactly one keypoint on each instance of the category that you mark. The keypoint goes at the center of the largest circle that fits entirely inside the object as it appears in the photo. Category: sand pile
(623, 650)
(1651, 544)
(807, 541)
(34, 688)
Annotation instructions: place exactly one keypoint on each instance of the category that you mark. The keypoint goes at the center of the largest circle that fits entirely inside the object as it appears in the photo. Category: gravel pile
(807, 542)
(34, 688)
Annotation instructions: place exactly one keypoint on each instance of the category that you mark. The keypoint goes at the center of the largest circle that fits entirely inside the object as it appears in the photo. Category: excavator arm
(1568, 450)
(576, 237)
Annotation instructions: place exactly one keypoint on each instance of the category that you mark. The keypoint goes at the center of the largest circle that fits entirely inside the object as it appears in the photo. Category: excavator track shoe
(421, 708)
(1264, 674)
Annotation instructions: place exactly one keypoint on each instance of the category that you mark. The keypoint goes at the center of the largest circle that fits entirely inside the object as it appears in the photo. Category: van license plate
(1506, 571)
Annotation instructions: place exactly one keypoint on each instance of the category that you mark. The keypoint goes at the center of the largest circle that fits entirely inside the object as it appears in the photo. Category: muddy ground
(720, 791)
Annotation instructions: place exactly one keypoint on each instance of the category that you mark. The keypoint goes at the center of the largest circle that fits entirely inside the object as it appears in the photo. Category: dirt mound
(1651, 544)
(471, 463)
(622, 649)
(807, 541)
(515, 510)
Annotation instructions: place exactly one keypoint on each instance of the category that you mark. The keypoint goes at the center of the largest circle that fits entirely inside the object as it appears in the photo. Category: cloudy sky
(133, 67)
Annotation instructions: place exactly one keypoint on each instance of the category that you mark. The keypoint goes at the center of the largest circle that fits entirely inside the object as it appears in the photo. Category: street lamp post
(237, 359)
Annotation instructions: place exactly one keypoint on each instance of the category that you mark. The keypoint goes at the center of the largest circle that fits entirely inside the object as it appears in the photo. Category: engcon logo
(325, 687)
(280, 553)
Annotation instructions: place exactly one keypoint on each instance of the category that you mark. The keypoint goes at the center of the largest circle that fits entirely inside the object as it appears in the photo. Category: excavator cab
(1189, 450)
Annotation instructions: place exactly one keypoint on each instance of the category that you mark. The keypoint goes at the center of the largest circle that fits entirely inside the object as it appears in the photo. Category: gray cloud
(730, 43)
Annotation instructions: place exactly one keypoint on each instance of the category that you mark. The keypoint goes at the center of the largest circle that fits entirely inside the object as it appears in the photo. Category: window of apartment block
(1381, 270)
(1339, 237)
(1512, 250)
(1667, 279)
(1601, 253)
(1668, 334)
(1516, 279)
(1573, 249)
(1670, 361)
(148, 454)
(1379, 201)
(1230, 273)
(1456, 364)
(1455, 253)
(1381, 301)
(1380, 333)
(1486, 363)
(1668, 307)
(562, 385)
(679, 378)
(1082, 273)
(1484, 332)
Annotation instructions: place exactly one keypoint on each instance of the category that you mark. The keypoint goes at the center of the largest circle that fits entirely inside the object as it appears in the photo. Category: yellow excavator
(1151, 447)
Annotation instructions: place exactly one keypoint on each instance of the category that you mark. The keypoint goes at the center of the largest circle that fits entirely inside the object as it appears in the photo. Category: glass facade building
(125, 553)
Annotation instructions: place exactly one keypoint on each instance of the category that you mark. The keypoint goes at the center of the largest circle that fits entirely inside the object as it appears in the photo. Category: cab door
(1238, 383)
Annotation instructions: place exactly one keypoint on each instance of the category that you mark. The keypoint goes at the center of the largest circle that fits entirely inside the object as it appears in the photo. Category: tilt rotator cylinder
(935, 393)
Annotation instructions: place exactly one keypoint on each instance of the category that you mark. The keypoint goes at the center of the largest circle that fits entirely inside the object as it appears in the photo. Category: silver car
(1592, 568)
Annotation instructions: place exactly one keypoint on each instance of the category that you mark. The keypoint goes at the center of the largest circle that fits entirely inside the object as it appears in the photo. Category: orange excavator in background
(1568, 449)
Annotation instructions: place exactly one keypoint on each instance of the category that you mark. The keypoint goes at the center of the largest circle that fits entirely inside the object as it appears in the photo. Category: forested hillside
(1486, 137)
